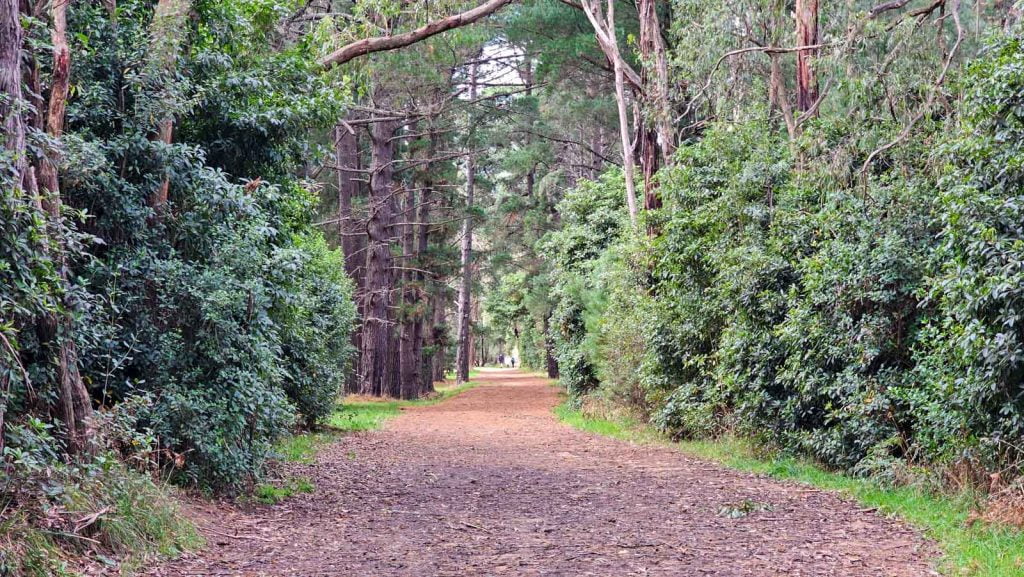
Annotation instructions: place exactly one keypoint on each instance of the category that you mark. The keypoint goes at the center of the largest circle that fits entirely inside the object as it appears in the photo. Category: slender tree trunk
(425, 377)
(437, 340)
(778, 96)
(378, 321)
(549, 349)
(409, 365)
(12, 125)
(609, 44)
(465, 340)
(169, 19)
(74, 404)
(526, 73)
(806, 35)
(346, 155)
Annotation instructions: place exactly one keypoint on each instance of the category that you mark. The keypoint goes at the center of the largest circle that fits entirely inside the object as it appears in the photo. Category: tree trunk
(346, 156)
(377, 294)
(549, 349)
(609, 44)
(656, 81)
(655, 133)
(169, 19)
(437, 339)
(409, 365)
(806, 35)
(11, 38)
(55, 328)
(650, 162)
(425, 377)
(465, 340)
(778, 96)
(13, 127)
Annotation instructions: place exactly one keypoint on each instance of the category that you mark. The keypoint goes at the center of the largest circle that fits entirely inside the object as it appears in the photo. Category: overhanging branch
(384, 43)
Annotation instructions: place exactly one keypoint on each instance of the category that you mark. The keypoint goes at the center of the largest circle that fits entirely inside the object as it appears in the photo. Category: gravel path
(490, 483)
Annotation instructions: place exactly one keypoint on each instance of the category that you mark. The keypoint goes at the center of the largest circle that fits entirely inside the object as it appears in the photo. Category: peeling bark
(73, 404)
(806, 35)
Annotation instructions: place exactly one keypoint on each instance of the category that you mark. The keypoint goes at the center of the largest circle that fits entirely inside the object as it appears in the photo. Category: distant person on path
(501, 359)
(513, 359)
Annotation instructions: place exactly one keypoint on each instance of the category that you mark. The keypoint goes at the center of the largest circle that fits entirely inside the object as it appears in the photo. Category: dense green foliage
(869, 324)
(221, 318)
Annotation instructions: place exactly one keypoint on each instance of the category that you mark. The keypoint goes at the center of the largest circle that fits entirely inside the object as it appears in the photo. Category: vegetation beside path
(970, 549)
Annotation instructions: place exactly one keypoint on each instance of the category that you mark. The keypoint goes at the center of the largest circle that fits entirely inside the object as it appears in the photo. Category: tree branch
(384, 43)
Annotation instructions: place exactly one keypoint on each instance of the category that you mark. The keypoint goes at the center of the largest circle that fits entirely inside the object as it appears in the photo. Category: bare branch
(937, 85)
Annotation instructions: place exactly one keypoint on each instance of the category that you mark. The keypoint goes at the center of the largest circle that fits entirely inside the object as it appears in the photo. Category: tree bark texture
(409, 387)
(426, 185)
(378, 319)
(346, 156)
(438, 338)
(655, 133)
(806, 35)
(13, 127)
(74, 406)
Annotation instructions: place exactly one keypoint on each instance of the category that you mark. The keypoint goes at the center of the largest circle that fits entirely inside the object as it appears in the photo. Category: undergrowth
(103, 512)
(969, 549)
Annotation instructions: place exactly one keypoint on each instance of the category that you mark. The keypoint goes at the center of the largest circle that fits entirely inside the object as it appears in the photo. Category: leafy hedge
(223, 318)
(868, 322)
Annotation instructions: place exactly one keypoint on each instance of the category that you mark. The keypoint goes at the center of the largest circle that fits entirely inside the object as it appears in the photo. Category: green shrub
(870, 322)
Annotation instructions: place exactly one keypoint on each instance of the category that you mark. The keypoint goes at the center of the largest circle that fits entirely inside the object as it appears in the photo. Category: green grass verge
(976, 551)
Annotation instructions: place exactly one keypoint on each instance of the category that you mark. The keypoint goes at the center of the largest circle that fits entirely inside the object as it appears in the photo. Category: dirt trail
(489, 483)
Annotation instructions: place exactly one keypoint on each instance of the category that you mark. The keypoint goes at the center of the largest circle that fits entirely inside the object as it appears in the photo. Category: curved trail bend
(489, 483)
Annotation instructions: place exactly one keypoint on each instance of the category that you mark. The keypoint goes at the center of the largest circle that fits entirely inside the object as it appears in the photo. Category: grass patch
(118, 516)
(301, 448)
(969, 550)
(271, 494)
